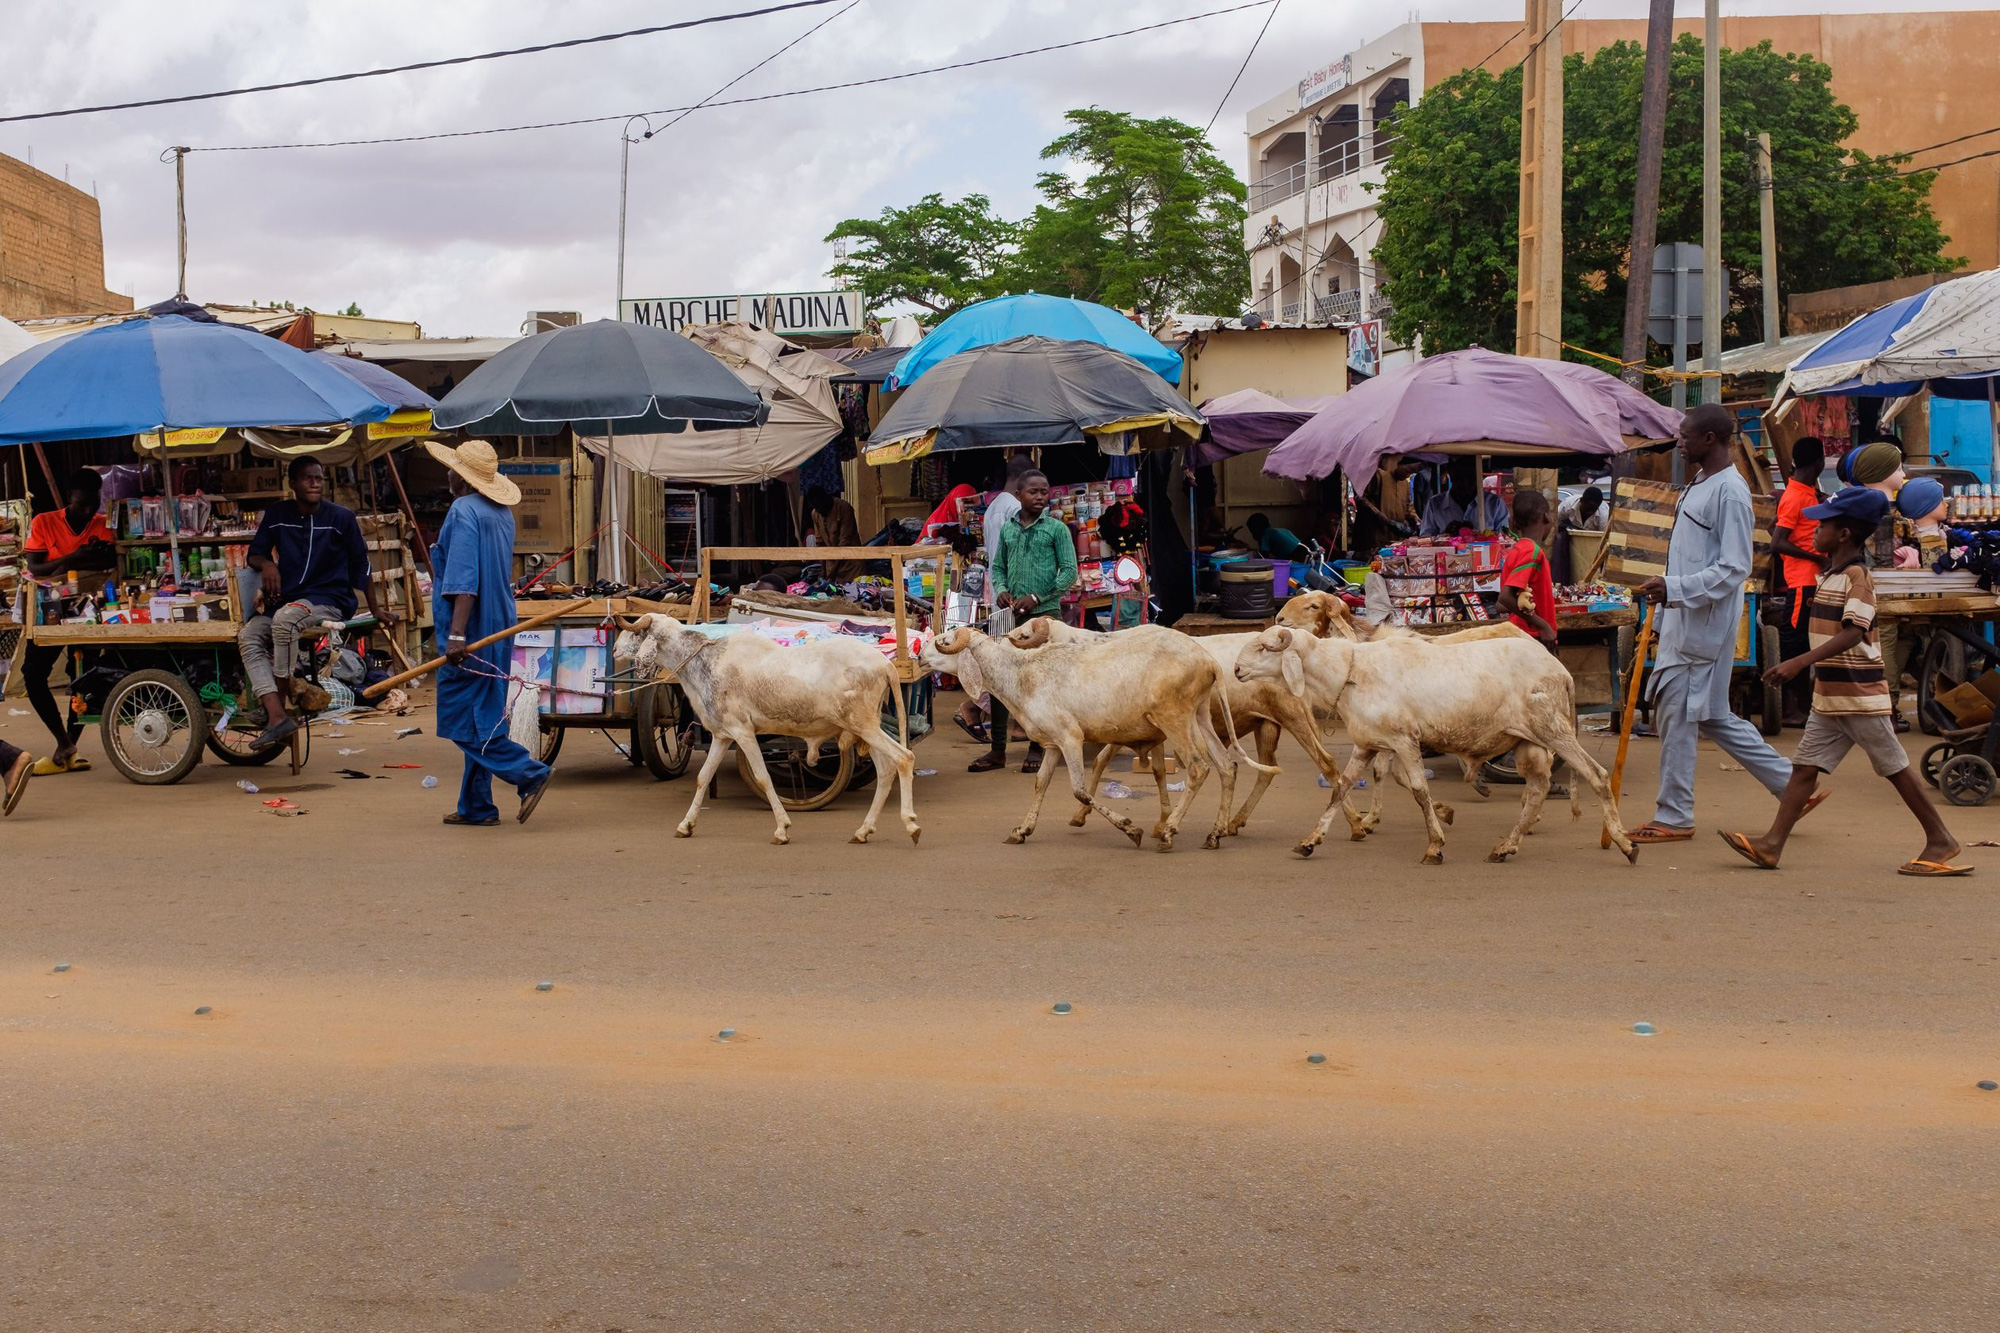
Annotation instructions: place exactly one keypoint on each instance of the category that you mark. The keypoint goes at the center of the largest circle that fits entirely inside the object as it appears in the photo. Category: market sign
(193, 435)
(1364, 347)
(780, 312)
(410, 421)
(1324, 82)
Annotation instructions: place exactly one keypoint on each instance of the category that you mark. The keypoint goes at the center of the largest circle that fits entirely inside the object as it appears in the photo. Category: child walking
(1850, 697)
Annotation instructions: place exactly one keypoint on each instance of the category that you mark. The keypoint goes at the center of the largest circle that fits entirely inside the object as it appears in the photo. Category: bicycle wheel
(152, 726)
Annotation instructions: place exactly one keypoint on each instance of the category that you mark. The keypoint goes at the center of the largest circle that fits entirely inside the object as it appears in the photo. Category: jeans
(1738, 739)
(269, 644)
(37, 661)
(501, 758)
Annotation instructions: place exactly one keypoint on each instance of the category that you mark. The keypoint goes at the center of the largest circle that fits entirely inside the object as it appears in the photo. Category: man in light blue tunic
(1701, 602)
(473, 597)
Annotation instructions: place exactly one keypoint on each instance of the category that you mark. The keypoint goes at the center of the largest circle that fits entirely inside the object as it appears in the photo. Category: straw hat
(480, 466)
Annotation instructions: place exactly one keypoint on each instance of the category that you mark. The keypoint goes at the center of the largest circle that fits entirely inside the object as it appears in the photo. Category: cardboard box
(1972, 704)
(542, 519)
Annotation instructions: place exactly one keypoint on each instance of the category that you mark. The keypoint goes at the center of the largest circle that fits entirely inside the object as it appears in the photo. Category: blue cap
(1920, 496)
(1857, 502)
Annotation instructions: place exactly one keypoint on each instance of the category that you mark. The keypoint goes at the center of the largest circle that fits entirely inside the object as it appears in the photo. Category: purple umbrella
(1250, 419)
(1474, 402)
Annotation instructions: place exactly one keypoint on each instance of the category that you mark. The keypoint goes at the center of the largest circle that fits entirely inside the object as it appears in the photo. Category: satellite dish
(1128, 571)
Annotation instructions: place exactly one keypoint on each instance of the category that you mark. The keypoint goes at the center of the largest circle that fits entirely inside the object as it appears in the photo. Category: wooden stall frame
(907, 667)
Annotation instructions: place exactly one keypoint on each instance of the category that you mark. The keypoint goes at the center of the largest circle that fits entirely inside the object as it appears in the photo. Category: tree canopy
(1450, 201)
(1142, 213)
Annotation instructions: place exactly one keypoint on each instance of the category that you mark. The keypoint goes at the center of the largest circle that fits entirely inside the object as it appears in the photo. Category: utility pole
(1646, 190)
(1711, 205)
(1767, 228)
(1538, 279)
(179, 156)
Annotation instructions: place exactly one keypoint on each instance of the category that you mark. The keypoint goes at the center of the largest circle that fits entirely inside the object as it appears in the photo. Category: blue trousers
(501, 758)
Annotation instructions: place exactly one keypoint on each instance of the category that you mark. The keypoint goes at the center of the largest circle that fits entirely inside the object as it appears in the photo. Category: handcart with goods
(802, 780)
(568, 654)
(1958, 675)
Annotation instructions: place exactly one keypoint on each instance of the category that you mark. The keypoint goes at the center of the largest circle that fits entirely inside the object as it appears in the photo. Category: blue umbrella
(1947, 336)
(387, 385)
(1061, 318)
(169, 372)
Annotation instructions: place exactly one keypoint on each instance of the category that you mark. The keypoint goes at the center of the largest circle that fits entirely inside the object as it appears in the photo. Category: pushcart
(655, 717)
(1965, 764)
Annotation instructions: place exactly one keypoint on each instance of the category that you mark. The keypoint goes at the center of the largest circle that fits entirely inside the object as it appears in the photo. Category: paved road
(382, 1124)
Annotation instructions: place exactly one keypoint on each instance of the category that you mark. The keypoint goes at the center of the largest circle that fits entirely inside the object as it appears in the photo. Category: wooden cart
(656, 717)
(803, 781)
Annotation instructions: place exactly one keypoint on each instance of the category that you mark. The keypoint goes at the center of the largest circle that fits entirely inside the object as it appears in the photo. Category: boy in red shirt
(1526, 570)
(71, 538)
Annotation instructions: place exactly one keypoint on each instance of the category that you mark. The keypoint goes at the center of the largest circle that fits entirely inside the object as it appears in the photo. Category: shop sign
(1324, 82)
(1364, 347)
(410, 421)
(780, 312)
(193, 435)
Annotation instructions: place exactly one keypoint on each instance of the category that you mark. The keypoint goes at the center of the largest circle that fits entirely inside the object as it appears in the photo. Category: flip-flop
(1648, 835)
(456, 818)
(533, 798)
(987, 763)
(1932, 869)
(48, 768)
(1813, 802)
(977, 733)
(1033, 763)
(1740, 844)
(15, 789)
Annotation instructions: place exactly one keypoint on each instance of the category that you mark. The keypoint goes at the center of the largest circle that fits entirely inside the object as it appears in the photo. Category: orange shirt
(1791, 514)
(50, 536)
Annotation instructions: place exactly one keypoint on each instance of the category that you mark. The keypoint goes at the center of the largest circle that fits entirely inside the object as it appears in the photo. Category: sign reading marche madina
(780, 312)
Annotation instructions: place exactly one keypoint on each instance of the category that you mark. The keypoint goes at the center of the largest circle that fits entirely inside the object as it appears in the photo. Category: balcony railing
(1278, 185)
(1335, 161)
(1337, 308)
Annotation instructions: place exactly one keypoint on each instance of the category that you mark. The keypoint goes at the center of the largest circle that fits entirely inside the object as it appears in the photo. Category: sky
(466, 235)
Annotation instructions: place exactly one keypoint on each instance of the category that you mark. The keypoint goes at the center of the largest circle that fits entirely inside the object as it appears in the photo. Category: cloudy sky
(466, 235)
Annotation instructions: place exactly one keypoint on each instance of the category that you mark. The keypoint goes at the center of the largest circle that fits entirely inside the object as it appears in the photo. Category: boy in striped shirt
(1850, 698)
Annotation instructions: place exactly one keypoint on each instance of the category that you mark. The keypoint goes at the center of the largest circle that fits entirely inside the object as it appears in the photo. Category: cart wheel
(1967, 779)
(659, 732)
(800, 785)
(232, 746)
(1772, 719)
(1934, 760)
(153, 724)
(551, 743)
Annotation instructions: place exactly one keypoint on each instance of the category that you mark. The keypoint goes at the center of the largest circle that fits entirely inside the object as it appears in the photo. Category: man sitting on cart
(311, 557)
(71, 539)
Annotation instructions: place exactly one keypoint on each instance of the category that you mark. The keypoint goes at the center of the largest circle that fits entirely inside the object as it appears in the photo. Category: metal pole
(1767, 227)
(1646, 189)
(179, 155)
(1680, 385)
(1711, 205)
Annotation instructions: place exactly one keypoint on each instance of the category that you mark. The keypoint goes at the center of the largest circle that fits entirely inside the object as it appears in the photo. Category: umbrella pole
(173, 513)
(611, 495)
(410, 512)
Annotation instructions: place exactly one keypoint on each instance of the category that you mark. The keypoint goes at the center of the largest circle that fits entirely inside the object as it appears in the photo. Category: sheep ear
(1291, 664)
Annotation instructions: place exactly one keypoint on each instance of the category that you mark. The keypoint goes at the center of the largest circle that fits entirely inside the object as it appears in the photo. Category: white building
(1313, 151)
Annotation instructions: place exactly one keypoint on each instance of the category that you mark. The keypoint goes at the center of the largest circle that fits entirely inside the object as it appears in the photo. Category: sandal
(1740, 844)
(16, 788)
(987, 763)
(48, 768)
(1932, 869)
(1033, 763)
(456, 818)
(1813, 802)
(977, 733)
(1647, 835)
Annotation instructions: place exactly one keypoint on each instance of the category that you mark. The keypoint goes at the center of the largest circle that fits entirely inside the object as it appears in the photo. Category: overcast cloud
(466, 235)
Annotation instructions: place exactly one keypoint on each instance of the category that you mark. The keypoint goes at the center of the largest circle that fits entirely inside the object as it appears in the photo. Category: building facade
(1914, 80)
(51, 247)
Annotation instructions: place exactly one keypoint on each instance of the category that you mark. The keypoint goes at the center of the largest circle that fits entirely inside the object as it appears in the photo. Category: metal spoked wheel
(1933, 761)
(1967, 779)
(232, 746)
(660, 732)
(153, 727)
(551, 745)
(800, 785)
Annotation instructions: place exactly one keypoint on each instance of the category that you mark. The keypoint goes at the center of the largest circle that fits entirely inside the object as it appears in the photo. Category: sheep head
(1323, 615)
(640, 639)
(1034, 634)
(1276, 654)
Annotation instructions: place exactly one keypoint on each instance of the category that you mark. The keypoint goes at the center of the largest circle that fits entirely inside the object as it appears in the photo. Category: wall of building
(1913, 79)
(51, 247)
(1288, 363)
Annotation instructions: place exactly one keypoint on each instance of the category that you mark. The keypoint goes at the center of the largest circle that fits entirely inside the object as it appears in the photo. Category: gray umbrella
(605, 377)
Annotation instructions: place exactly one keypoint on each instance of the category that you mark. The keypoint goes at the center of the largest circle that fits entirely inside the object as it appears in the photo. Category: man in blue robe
(473, 597)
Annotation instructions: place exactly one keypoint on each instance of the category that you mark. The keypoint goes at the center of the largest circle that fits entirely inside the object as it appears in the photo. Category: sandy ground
(382, 1124)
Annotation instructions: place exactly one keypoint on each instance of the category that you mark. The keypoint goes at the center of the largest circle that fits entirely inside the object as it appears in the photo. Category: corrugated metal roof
(1766, 359)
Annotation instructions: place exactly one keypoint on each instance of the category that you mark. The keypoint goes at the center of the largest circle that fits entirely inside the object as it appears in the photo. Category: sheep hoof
(1139, 838)
(1079, 819)
(915, 833)
(860, 835)
(1499, 854)
(1433, 858)
(1357, 835)
(1211, 842)
(1479, 785)
(1303, 849)
(684, 831)
(1016, 838)
(1631, 850)
(1446, 813)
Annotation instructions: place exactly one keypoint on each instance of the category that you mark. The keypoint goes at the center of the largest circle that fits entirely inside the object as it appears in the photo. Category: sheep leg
(1071, 746)
(1194, 770)
(1082, 814)
(1267, 754)
(1336, 802)
(718, 749)
(755, 754)
(1533, 763)
(1548, 761)
(1410, 758)
(889, 752)
(1043, 776)
(1566, 747)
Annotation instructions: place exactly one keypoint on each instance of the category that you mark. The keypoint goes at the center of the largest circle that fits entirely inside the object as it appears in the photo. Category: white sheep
(743, 685)
(1477, 699)
(1138, 688)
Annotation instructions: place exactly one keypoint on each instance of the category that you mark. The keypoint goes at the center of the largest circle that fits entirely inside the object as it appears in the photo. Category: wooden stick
(381, 687)
(410, 511)
(1633, 679)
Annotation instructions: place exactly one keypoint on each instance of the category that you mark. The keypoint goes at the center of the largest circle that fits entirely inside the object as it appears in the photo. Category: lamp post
(611, 474)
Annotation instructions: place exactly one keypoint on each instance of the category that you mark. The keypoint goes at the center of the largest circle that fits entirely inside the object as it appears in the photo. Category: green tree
(1450, 200)
(934, 254)
(1145, 215)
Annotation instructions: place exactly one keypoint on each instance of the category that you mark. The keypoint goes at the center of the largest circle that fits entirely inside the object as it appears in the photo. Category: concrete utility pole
(1646, 189)
(1538, 280)
(1711, 205)
(179, 156)
(1767, 227)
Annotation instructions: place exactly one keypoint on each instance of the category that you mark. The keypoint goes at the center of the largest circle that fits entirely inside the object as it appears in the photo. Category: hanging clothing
(822, 472)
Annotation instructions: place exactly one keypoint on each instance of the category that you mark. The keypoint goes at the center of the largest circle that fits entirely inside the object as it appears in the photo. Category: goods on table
(1438, 581)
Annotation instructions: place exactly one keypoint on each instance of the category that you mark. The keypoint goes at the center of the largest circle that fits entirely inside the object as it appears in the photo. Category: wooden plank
(1641, 527)
(111, 636)
(816, 554)
(1973, 607)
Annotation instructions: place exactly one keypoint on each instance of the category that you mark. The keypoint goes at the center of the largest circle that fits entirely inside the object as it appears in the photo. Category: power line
(752, 70)
(420, 65)
(1271, 14)
(743, 101)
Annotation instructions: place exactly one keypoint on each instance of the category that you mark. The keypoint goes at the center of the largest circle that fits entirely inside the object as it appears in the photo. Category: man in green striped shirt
(1033, 566)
